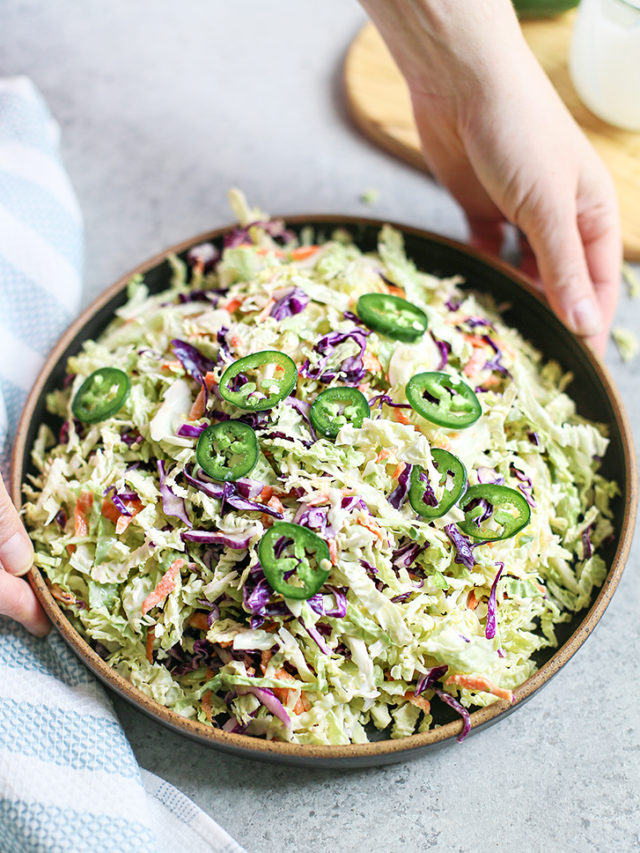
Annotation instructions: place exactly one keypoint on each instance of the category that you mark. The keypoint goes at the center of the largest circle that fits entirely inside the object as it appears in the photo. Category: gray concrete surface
(163, 106)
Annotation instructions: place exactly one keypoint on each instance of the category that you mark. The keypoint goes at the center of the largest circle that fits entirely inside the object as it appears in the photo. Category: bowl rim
(257, 748)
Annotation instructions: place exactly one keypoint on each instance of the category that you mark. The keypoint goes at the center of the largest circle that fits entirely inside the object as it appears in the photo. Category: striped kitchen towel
(69, 781)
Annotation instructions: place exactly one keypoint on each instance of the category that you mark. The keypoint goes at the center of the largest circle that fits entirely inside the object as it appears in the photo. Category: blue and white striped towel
(69, 781)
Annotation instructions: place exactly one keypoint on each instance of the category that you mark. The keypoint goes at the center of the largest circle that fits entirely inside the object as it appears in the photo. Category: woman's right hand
(17, 599)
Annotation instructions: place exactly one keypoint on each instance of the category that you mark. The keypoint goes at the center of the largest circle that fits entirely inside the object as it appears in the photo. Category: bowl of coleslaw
(327, 492)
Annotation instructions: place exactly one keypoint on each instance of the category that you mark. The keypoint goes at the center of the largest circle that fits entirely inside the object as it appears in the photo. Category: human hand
(496, 134)
(17, 599)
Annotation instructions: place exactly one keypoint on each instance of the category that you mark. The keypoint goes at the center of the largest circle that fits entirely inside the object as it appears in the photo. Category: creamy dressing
(605, 60)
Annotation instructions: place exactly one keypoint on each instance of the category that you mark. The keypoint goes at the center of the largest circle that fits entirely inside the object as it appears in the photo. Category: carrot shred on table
(419, 701)
(479, 682)
(80, 513)
(166, 585)
(151, 635)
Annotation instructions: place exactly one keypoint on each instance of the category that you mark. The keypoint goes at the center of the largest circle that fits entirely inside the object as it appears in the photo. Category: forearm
(442, 46)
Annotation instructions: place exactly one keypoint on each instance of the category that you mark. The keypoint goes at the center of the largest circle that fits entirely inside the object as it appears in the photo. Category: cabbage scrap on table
(156, 564)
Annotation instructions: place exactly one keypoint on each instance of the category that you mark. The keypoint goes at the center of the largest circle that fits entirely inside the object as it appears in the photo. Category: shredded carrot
(475, 341)
(166, 585)
(475, 363)
(303, 252)
(197, 410)
(71, 549)
(472, 601)
(266, 310)
(479, 682)
(400, 417)
(396, 291)
(80, 513)
(321, 498)
(283, 693)
(333, 552)
(542, 588)
(150, 638)
(233, 304)
(198, 620)
(371, 362)
(419, 701)
(385, 453)
(262, 251)
(266, 494)
(206, 706)
(235, 341)
(122, 521)
(370, 524)
(274, 502)
(170, 365)
(66, 598)
(399, 469)
(265, 657)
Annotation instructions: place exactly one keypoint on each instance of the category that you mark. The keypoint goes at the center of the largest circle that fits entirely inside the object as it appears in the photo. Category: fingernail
(585, 318)
(16, 554)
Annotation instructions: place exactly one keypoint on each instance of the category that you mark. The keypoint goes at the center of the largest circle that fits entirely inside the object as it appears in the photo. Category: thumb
(16, 550)
(557, 245)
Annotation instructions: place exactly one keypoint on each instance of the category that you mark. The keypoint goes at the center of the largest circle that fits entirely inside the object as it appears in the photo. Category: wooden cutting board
(379, 104)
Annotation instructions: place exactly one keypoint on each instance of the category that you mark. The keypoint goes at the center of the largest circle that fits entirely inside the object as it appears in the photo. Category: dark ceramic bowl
(592, 389)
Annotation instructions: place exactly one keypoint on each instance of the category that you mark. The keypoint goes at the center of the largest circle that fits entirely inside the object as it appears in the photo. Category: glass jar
(605, 60)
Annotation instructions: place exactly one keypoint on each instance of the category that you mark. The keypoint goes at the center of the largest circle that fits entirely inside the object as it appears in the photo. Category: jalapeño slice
(286, 552)
(227, 451)
(453, 476)
(101, 395)
(486, 506)
(335, 407)
(392, 316)
(259, 381)
(443, 399)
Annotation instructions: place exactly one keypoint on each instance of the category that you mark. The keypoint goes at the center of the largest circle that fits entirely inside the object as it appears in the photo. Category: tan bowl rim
(253, 747)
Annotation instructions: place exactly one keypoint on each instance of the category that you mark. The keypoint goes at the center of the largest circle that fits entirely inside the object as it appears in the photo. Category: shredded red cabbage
(290, 304)
(398, 599)
(274, 227)
(316, 636)
(118, 499)
(270, 701)
(191, 431)
(534, 438)
(316, 518)
(223, 347)
(525, 485)
(495, 363)
(229, 493)
(453, 703)
(196, 364)
(488, 475)
(406, 554)
(444, 349)
(490, 628)
(203, 255)
(399, 495)
(430, 678)
(464, 551)
(172, 505)
(339, 611)
(385, 398)
(302, 407)
(351, 502)
(351, 371)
